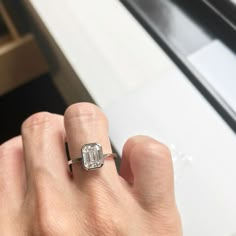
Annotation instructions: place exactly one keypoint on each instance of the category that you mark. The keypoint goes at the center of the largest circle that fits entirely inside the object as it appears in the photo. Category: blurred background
(26, 85)
(182, 28)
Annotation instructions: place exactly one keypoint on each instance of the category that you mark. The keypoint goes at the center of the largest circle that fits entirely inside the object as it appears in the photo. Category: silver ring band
(79, 159)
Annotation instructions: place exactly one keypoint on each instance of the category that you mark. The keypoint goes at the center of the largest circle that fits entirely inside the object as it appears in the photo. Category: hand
(39, 196)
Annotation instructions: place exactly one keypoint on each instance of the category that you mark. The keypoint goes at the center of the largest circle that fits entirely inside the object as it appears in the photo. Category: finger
(85, 123)
(12, 175)
(43, 141)
(147, 164)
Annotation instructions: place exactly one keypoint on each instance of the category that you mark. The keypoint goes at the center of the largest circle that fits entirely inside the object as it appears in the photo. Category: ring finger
(84, 124)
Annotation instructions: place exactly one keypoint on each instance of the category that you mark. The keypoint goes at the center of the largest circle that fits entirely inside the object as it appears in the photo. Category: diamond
(92, 156)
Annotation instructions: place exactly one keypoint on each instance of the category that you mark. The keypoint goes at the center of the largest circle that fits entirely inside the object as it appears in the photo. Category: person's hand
(39, 196)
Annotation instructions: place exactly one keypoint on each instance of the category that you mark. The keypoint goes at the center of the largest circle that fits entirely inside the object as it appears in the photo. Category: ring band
(92, 157)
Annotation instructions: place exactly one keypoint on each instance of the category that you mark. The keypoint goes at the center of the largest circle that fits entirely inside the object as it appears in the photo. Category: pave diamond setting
(92, 156)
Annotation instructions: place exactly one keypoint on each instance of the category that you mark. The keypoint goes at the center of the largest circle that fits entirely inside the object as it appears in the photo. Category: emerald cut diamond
(92, 156)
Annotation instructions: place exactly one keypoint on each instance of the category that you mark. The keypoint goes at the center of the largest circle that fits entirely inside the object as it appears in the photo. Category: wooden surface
(20, 62)
(20, 57)
(10, 25)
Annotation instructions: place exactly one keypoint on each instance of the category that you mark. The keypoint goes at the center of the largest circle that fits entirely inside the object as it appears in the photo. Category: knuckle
(5, 150)
(129, 144)
(138, 143)
(146, 146)
(84, 111)
(161, 149)
(42, 119)
(9, 148)
(132, 141)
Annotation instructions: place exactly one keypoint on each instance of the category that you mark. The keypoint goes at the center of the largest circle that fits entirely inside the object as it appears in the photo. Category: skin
(39, 196)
